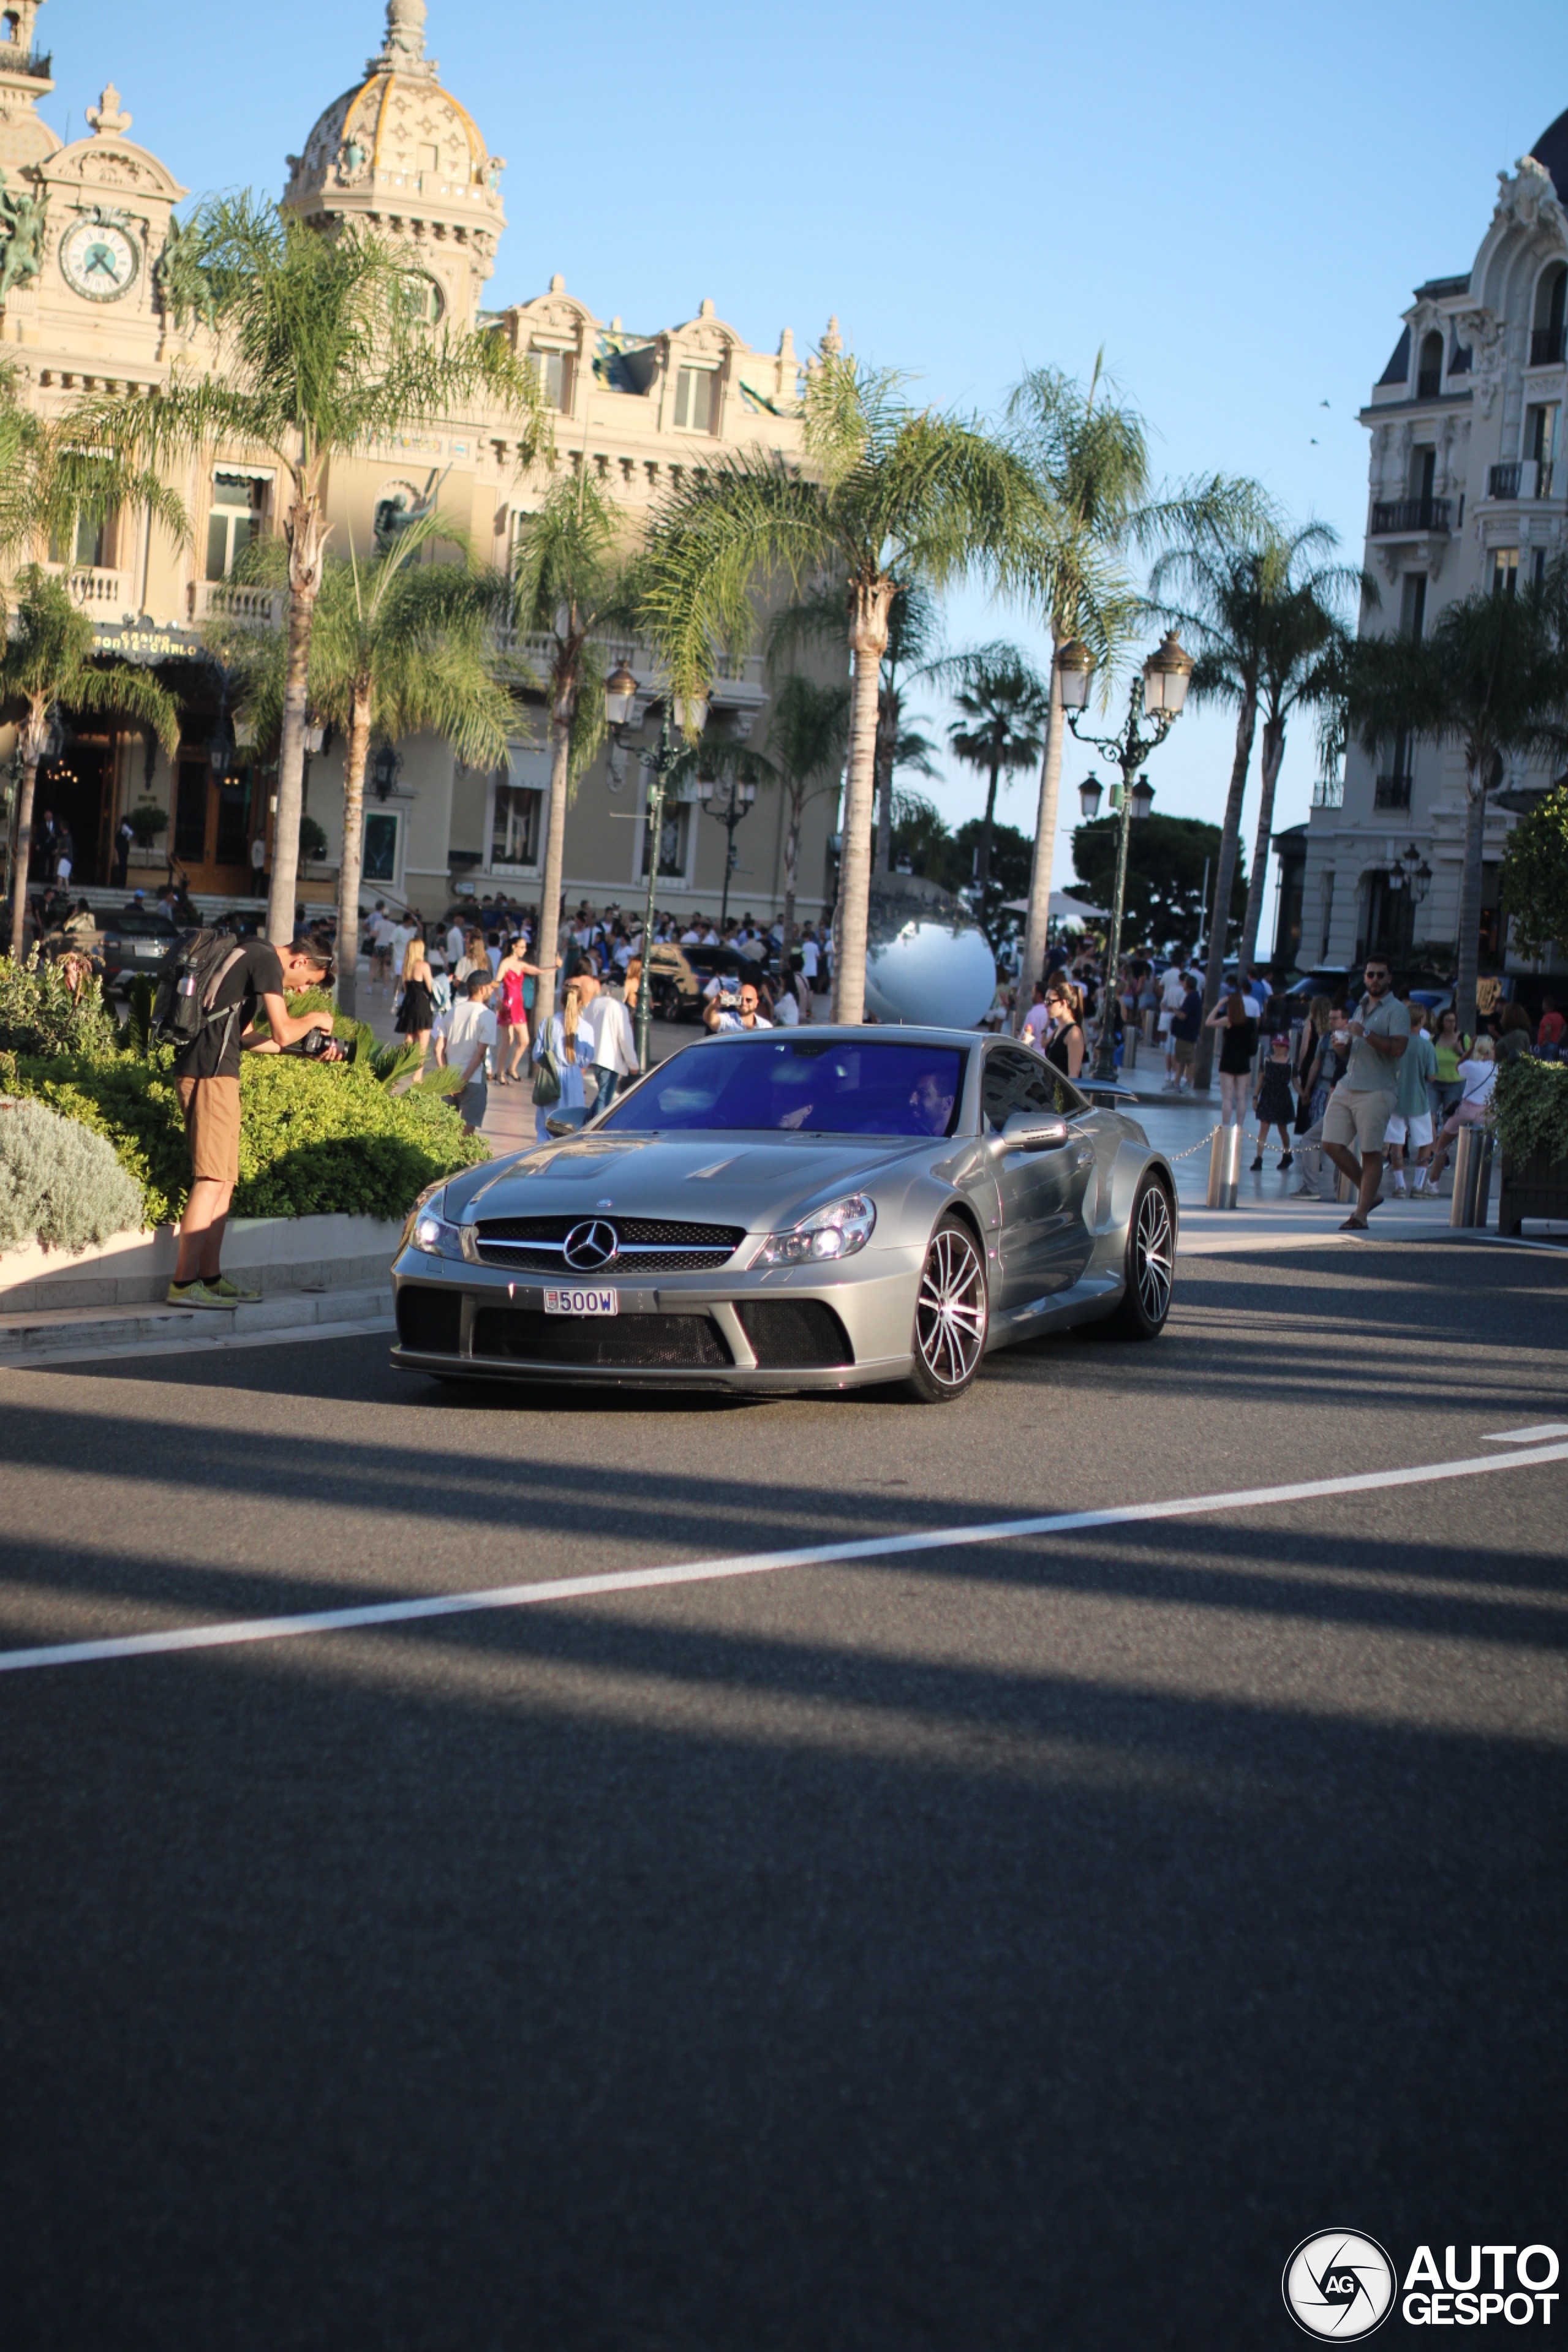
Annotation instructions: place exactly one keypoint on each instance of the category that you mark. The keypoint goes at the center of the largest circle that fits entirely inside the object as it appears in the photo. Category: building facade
(95, 293)
(1467, 490)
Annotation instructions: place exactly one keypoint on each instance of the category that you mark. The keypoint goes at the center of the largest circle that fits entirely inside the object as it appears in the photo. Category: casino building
(1467, 489)
(90, 298)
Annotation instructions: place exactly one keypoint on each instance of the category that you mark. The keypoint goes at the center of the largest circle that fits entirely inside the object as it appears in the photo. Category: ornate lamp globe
(1165, 675)
(1089, 797)
(620, 693)
(1075, 668)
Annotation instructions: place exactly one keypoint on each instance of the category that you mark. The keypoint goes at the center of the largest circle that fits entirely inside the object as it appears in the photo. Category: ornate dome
(397, 128)
(398, 151)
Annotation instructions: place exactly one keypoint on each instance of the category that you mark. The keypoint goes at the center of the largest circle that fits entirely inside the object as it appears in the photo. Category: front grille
(794, 1334)
(648, 1244)
(625, 1343)
(430, 1321)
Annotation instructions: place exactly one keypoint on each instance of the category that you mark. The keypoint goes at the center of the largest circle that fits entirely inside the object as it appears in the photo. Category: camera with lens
(313, 1045)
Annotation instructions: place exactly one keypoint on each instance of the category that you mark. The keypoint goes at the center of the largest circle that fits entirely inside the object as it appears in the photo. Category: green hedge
(316, 1139)
(1531, 1108)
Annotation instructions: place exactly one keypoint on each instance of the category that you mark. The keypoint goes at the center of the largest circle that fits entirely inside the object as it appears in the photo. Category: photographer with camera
(206, 1079)
(735, 1008)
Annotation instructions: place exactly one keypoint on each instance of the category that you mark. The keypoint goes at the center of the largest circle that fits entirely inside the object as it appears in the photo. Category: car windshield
(806, 1086)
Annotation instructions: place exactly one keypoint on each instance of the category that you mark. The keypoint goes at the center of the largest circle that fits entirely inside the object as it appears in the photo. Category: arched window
(10, 28)
(1551, 299)
(1429, 375)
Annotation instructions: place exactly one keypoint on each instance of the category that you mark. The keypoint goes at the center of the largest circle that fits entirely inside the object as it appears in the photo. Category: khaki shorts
(211, 1107)
(1184, 1052)
(1359, 1117)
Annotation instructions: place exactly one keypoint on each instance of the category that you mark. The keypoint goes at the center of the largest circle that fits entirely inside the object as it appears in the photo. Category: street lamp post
(734, 807)
(690, 718)
(1164, 690)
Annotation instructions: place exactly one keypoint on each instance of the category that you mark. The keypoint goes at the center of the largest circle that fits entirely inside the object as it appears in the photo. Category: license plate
(582, 1302)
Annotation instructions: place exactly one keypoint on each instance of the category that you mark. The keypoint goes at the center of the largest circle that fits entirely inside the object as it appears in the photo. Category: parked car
(135, 940)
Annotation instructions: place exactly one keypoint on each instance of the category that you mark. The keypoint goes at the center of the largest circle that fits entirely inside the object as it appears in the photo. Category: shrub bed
(1531, 1108)
(61, 1184)
(316, 1139)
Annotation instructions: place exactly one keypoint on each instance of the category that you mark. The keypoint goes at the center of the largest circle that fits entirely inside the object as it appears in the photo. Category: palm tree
(895, 497)
(1089, 454)
(1004, 708)
(47, 665)
(805, 750)
(1231, 600)
(1492, 677)
(51, 475)
(323, 354)
(1307, 646)
(913, 651)
(398, 646)
(572, 575)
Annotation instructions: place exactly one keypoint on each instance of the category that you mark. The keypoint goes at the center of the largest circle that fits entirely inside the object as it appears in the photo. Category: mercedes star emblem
(591, 1244)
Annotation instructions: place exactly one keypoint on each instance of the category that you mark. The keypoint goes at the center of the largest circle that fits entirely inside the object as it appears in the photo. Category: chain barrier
(1194, 1147)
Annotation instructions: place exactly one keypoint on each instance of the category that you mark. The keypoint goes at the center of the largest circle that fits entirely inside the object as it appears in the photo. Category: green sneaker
(194, 1294)
(230, 1292)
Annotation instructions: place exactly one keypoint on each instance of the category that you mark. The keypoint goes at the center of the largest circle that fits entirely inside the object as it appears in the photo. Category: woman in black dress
(416, 1013)
(1238, 1045)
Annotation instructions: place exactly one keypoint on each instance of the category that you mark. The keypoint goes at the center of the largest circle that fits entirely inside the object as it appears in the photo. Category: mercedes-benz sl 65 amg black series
(817, 1208)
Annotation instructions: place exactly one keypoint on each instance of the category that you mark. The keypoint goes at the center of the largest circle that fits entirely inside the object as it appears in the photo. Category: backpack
(188, 979)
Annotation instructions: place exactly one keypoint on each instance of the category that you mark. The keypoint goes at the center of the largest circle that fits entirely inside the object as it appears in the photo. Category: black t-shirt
(255, 973)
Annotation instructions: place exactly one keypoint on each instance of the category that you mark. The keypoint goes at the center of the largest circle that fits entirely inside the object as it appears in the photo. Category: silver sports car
(811, 1208)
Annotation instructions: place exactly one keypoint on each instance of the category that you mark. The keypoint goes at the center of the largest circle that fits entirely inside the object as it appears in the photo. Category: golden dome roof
(397, 129)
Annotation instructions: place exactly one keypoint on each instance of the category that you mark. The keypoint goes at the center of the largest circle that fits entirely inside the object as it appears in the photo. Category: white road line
(1536, 1437)
(230, 1634)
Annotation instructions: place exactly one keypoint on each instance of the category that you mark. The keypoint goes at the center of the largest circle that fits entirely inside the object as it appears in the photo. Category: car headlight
(427, 1229)
(835, 1232)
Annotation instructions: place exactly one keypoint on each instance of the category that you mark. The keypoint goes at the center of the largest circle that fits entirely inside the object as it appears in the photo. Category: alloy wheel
(1153, 1253)
(950, 1311)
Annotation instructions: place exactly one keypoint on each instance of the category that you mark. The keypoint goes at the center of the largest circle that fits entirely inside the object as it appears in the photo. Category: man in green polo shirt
(1363, 1103)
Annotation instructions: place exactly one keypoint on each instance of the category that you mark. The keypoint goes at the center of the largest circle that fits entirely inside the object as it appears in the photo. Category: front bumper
(714, 1330)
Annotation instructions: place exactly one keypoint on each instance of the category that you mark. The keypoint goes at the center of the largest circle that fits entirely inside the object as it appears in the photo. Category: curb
(32, 1338)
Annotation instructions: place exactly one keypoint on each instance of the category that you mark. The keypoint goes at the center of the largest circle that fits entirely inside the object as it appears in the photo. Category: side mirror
(1029, 1130)
(565, 1122)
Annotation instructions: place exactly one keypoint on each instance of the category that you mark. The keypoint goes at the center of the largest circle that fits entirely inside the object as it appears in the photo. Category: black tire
(953, 1314)
(1150, 1265)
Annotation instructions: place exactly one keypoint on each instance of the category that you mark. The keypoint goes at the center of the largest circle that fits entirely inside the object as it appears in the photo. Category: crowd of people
(1366, 1077)
(466, 993)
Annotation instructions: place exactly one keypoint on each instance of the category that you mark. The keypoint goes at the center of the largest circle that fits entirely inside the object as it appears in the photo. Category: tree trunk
(1469, 951)
(1045, 844)
(556, 852)
(792, 868)
(306, 532)
(29, 786)
(868, 643)
(1273, 752)
(357, 751)
(1219, 921)
(887, 743)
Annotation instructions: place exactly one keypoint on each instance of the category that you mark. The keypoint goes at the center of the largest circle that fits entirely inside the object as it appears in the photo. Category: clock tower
(108, 203)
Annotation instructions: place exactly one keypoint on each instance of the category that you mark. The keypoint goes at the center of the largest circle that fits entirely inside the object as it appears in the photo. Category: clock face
(99, 261)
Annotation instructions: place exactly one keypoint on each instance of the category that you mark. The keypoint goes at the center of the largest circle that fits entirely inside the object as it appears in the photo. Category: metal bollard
(1472, 1177)
(1129, 1047)
(1224, 1166)
(1149, 1017)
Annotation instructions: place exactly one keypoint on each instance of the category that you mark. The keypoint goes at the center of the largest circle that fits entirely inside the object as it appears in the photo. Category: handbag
(546, 1079)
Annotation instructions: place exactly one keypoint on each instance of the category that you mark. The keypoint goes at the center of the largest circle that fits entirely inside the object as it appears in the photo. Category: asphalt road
(1016, 1946)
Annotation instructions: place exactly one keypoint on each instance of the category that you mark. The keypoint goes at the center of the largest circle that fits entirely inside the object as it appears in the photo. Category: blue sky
(1235, 202)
